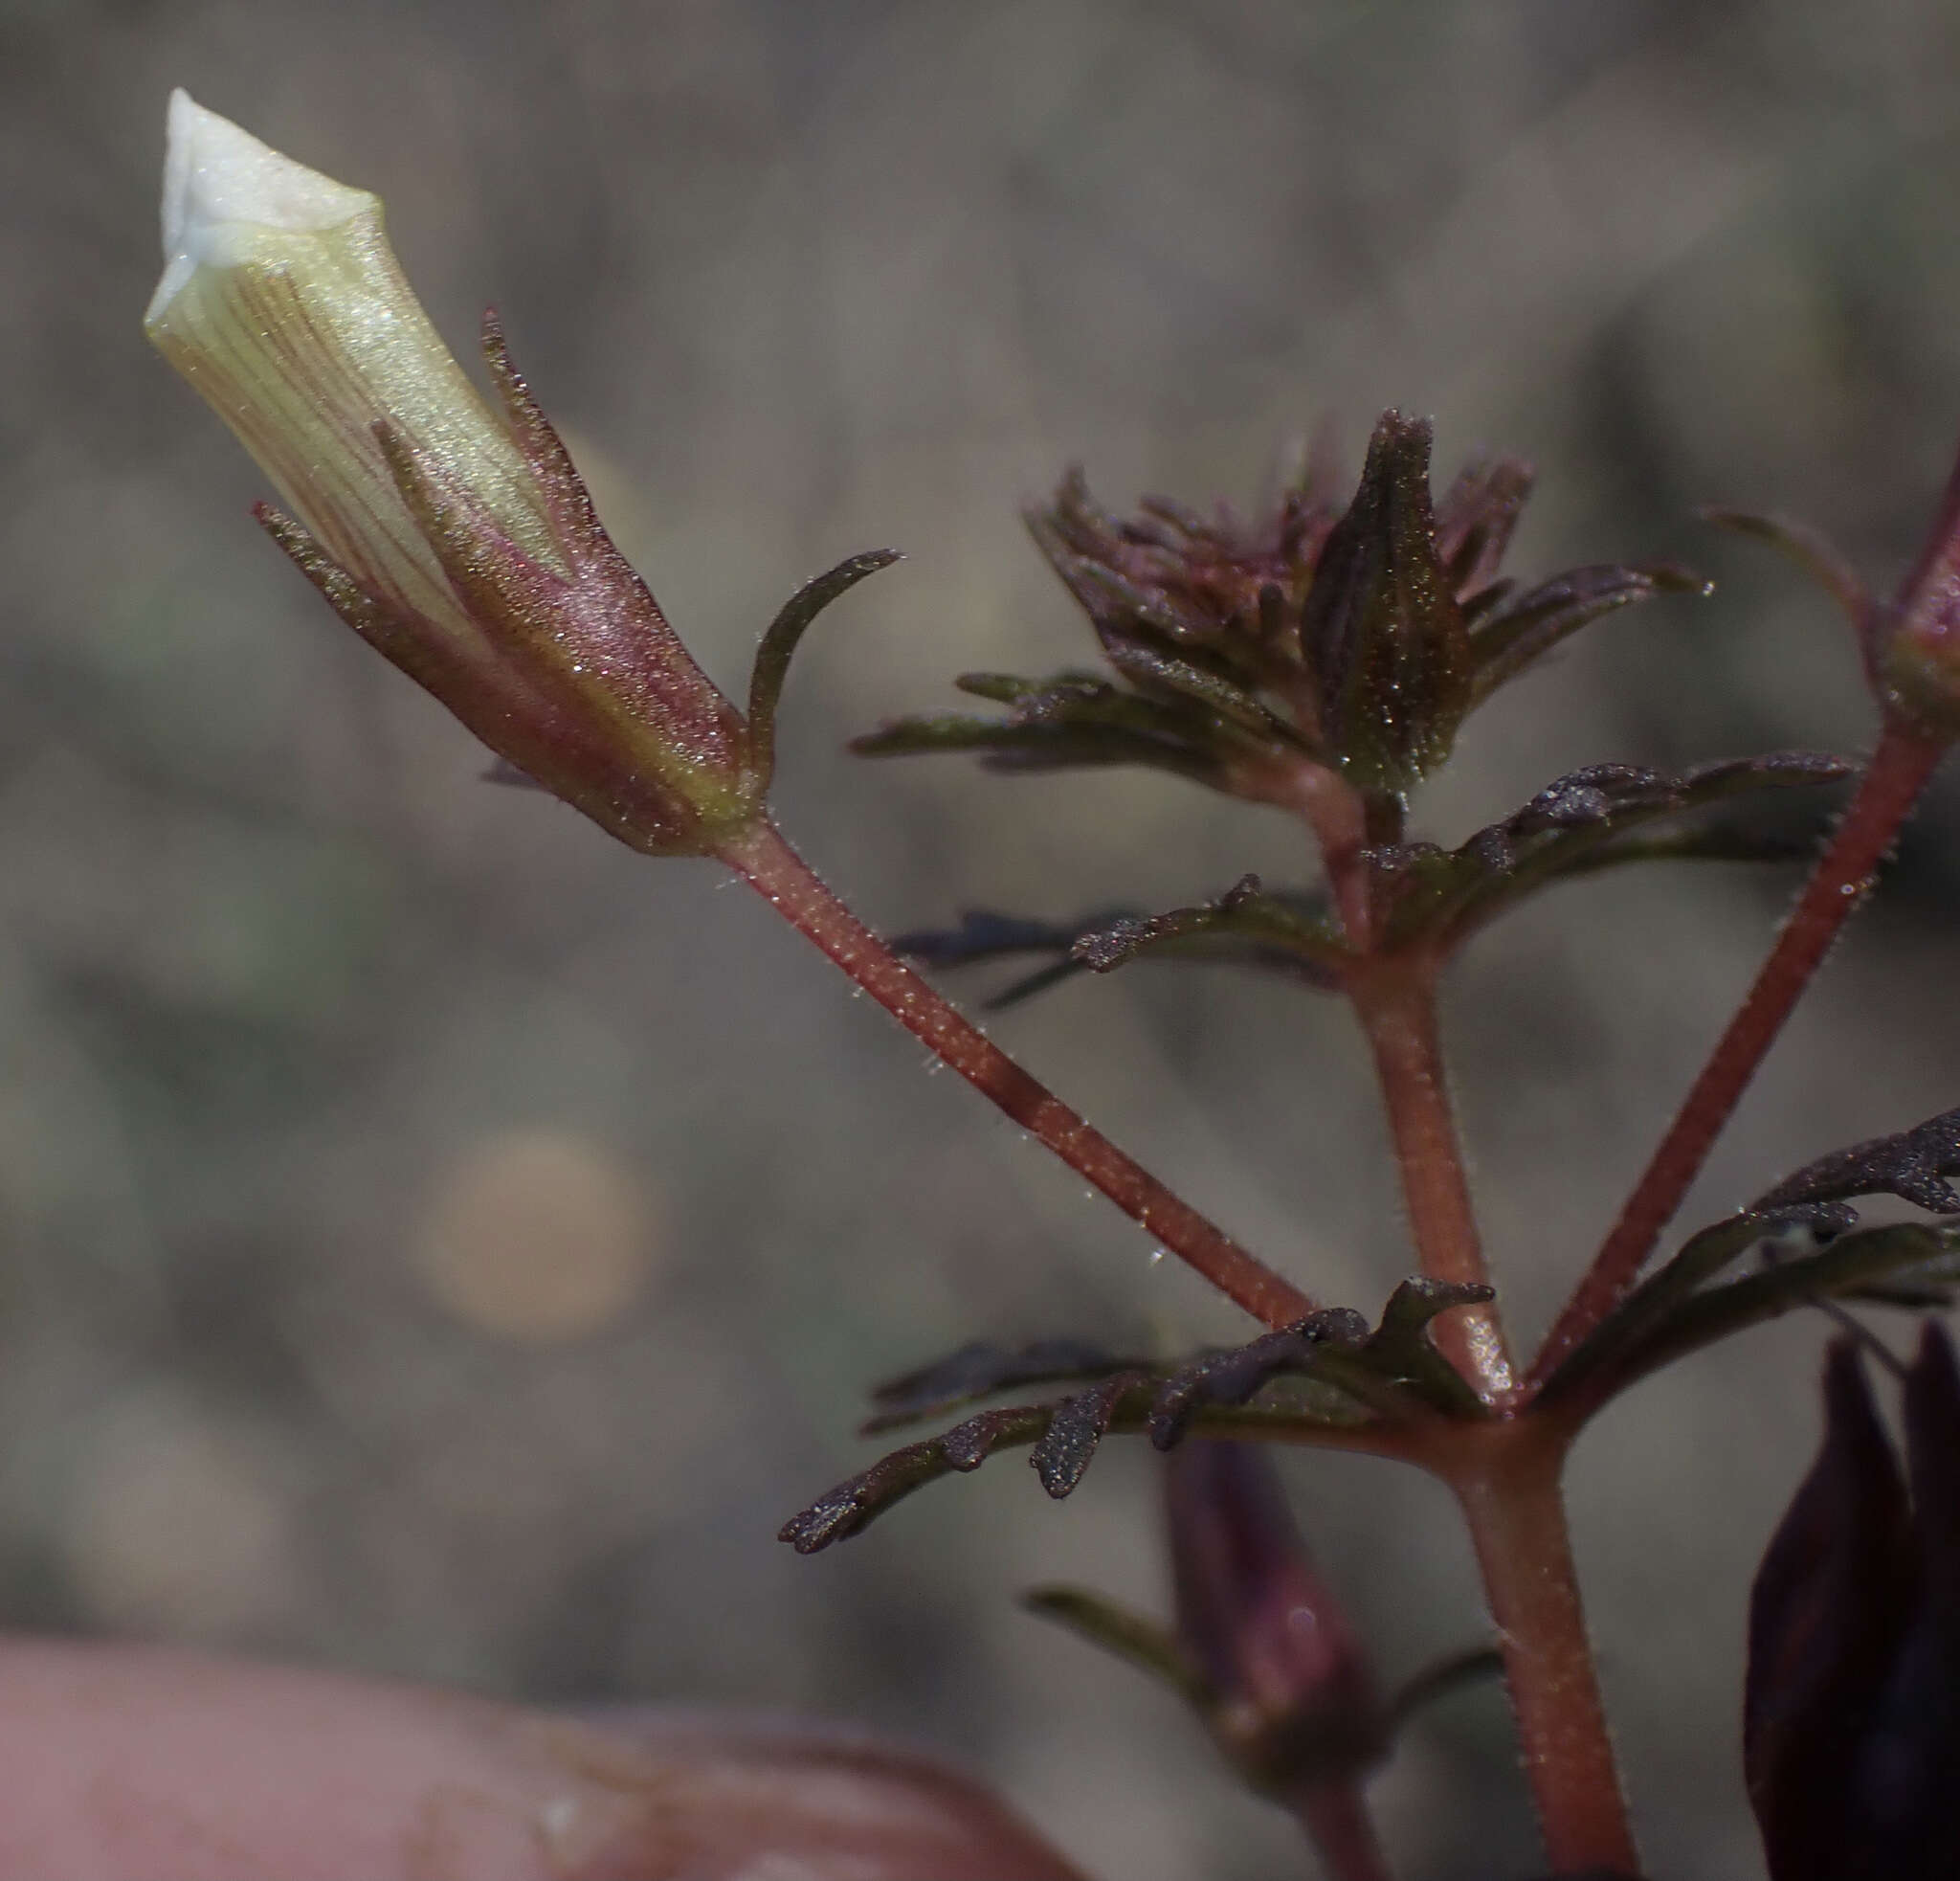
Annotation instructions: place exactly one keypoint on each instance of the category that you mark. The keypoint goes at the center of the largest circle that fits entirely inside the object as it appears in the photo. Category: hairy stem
(1511, 1500)
(1334, 1813)
(1398, 1015)
(1899, 770)
(1337, 814)
(780, 875)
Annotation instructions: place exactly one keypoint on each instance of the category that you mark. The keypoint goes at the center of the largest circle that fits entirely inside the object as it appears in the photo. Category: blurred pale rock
(536, 1235)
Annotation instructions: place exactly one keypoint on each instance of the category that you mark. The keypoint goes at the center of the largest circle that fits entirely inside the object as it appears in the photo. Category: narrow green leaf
(780, 642)
(1148, 1644)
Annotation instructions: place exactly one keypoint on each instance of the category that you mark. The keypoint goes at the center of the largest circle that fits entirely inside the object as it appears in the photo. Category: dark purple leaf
(978, 1370)
(1911, 1165)
(1526, 628)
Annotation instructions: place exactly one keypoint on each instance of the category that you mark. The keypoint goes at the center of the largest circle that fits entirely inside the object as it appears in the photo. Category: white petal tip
(222, 186)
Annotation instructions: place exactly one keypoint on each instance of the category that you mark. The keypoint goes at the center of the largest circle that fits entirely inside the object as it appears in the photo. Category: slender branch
(1398, 1015)
(1517, 1522)
(1899, 770)
(781, 876)
(1334, 1814)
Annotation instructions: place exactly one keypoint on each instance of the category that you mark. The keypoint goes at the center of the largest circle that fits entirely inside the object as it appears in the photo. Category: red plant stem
(1336, 815)
(787, 882)
(1398, 1014)
(1516, 1514)
(1335, 1817)
(1899, 770)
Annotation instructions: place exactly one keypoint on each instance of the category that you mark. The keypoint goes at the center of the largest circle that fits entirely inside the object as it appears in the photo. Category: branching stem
(1899, 770)
(768, 863)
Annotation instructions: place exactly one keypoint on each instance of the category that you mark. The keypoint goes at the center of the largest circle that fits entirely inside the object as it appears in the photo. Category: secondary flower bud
(457, 540)
(1911, 643)
(1851, 1725)
(1292, 1695)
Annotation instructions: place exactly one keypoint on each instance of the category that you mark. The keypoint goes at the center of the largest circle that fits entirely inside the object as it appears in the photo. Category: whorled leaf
(1082, 1421)
(1671, 1314)
(854, 1503)
(1247, 927)
(1600, 817)
(1522, 631)
(983, 935)
(1579, 825)
(1709, 843)
(1213, 591)
(1244, 913)
(1313, 1415)
(1076, 719)
(1189, 683)
(980, 1371)
(1329, 1378)
(1911, 1164)
(1701, 1259)
(1350, 636)
(1475, 518)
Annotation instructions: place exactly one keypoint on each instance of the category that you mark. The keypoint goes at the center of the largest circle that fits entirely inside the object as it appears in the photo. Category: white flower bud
(283, 306)
(457, 540)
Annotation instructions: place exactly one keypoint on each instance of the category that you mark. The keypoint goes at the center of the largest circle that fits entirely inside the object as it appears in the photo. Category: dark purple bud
(1907, 1786)
(1293, 1697)
(1382, 630)
(1851, 1734)
(1912, 644)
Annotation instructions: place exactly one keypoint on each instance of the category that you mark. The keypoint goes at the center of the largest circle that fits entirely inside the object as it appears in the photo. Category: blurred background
(435, 1242)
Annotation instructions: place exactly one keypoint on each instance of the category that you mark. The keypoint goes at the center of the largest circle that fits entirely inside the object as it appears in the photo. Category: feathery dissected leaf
(1258, 922)
(979, 1371)
(1911, 1164)
(1328, 1379)
(1670, 1317)
(1246, 927)
(1525, 630)
(1580, 823)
